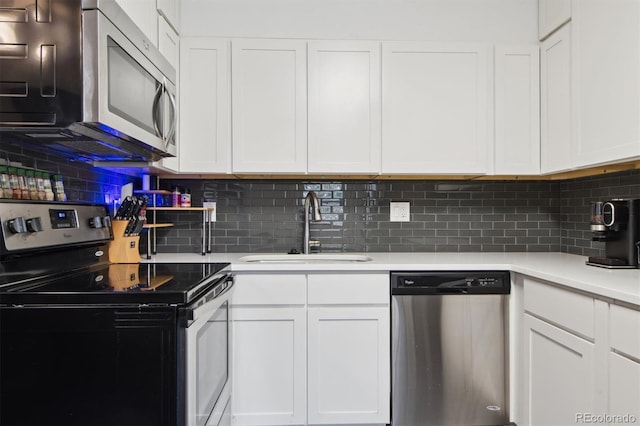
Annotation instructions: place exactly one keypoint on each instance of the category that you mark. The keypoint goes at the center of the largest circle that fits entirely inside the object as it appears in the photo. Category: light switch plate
(400, 211)
(212, 213)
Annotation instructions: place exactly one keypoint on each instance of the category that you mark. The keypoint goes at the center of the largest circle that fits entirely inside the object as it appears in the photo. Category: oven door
(207, 389)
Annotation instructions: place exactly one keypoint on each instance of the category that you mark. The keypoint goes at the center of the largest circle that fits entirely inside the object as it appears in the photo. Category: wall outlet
(400, 211)
(212, 213)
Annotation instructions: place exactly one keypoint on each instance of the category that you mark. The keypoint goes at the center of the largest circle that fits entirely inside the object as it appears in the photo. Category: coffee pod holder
(123, 249)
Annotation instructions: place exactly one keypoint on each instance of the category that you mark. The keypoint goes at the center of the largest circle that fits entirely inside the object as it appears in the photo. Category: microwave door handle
(174, 118)
(156, 111)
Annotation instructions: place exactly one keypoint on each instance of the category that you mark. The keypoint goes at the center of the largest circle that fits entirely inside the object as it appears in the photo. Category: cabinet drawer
(270, 289)
(624, 330)
(345, 289)
(570, 310)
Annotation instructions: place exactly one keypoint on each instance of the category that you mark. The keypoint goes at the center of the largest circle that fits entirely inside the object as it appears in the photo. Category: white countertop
(562, 268)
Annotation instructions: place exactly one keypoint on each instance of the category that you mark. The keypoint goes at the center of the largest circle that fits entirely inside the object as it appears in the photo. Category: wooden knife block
(124, 277)
(123, 249)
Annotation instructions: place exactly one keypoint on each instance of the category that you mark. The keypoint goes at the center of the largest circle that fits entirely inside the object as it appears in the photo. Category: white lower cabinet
(348, 349)
(559, 374)
(624, 363)
(269, 366)
(269, 349)
(580, 358)
(310, 349)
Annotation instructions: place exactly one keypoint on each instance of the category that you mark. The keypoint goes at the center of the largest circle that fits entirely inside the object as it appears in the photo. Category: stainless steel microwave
(81, 79)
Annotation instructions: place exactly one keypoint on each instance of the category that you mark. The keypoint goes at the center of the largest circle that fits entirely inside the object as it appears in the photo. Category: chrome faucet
(310, 201)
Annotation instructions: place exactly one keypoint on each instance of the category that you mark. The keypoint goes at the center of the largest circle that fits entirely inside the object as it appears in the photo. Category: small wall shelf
(151, 227)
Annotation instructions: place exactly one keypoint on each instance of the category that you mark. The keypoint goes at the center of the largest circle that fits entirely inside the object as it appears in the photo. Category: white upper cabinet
(204, 106)
(344, 107)
(556, 147)
(435, 108)
(144, 14)
(590, 81)
(168, 42)
(606, 60)
(269, 90)
(170, 9)
(517, 110)
(552, 14)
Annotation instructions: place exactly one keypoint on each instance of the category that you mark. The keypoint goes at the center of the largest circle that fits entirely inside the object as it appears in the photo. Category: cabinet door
(269, 90)
(624, 362)
(169, 46)
(168, 42)
(268, 366)
(624, 386)
(348, 365)
(556, 146)
(606, 60)
(170, 9)
(559, 374)
(517, 110)
(552, 14)
(344, 107)
(435, 108)
(204, 106)
(144, 14)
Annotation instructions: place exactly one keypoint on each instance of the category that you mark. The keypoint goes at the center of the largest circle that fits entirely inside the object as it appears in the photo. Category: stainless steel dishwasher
(449, 351)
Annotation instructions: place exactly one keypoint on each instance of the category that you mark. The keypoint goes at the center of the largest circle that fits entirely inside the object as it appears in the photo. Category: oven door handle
(212, 302)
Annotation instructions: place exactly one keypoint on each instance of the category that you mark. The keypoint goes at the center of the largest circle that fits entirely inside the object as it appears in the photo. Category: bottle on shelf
(40, 186)
(48, 189)
(185, 198)
(175, 196)
(14, 182)
(5, 183)
(32, 184)
(24, 187)
(58, 187)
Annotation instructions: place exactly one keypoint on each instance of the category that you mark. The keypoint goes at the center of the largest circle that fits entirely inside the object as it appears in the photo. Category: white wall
(439, 20)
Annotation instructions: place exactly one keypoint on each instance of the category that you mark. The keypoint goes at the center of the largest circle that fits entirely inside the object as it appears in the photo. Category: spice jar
(32, 184)
(48, 189)
(14, 182)
(24, 187)
(5, 184)
(40, 186)
(58, 187)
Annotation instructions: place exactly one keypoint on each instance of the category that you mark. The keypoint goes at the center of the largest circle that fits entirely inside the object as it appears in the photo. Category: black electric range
(87, 342)
(150, 283)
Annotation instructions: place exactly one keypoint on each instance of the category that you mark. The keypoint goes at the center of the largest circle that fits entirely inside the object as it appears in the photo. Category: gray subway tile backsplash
(455, 216)
(446, 216)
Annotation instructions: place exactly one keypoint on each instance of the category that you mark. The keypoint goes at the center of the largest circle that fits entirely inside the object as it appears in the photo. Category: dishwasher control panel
(450, 282)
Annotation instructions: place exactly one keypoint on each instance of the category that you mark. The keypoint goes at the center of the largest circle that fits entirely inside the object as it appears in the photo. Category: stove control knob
(95, 222)
(34, 224)
(17, 225)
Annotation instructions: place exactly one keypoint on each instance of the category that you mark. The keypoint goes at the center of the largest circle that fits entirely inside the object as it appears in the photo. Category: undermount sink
(304, 258)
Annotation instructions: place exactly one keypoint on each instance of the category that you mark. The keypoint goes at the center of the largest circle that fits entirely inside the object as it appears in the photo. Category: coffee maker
(617, 223)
